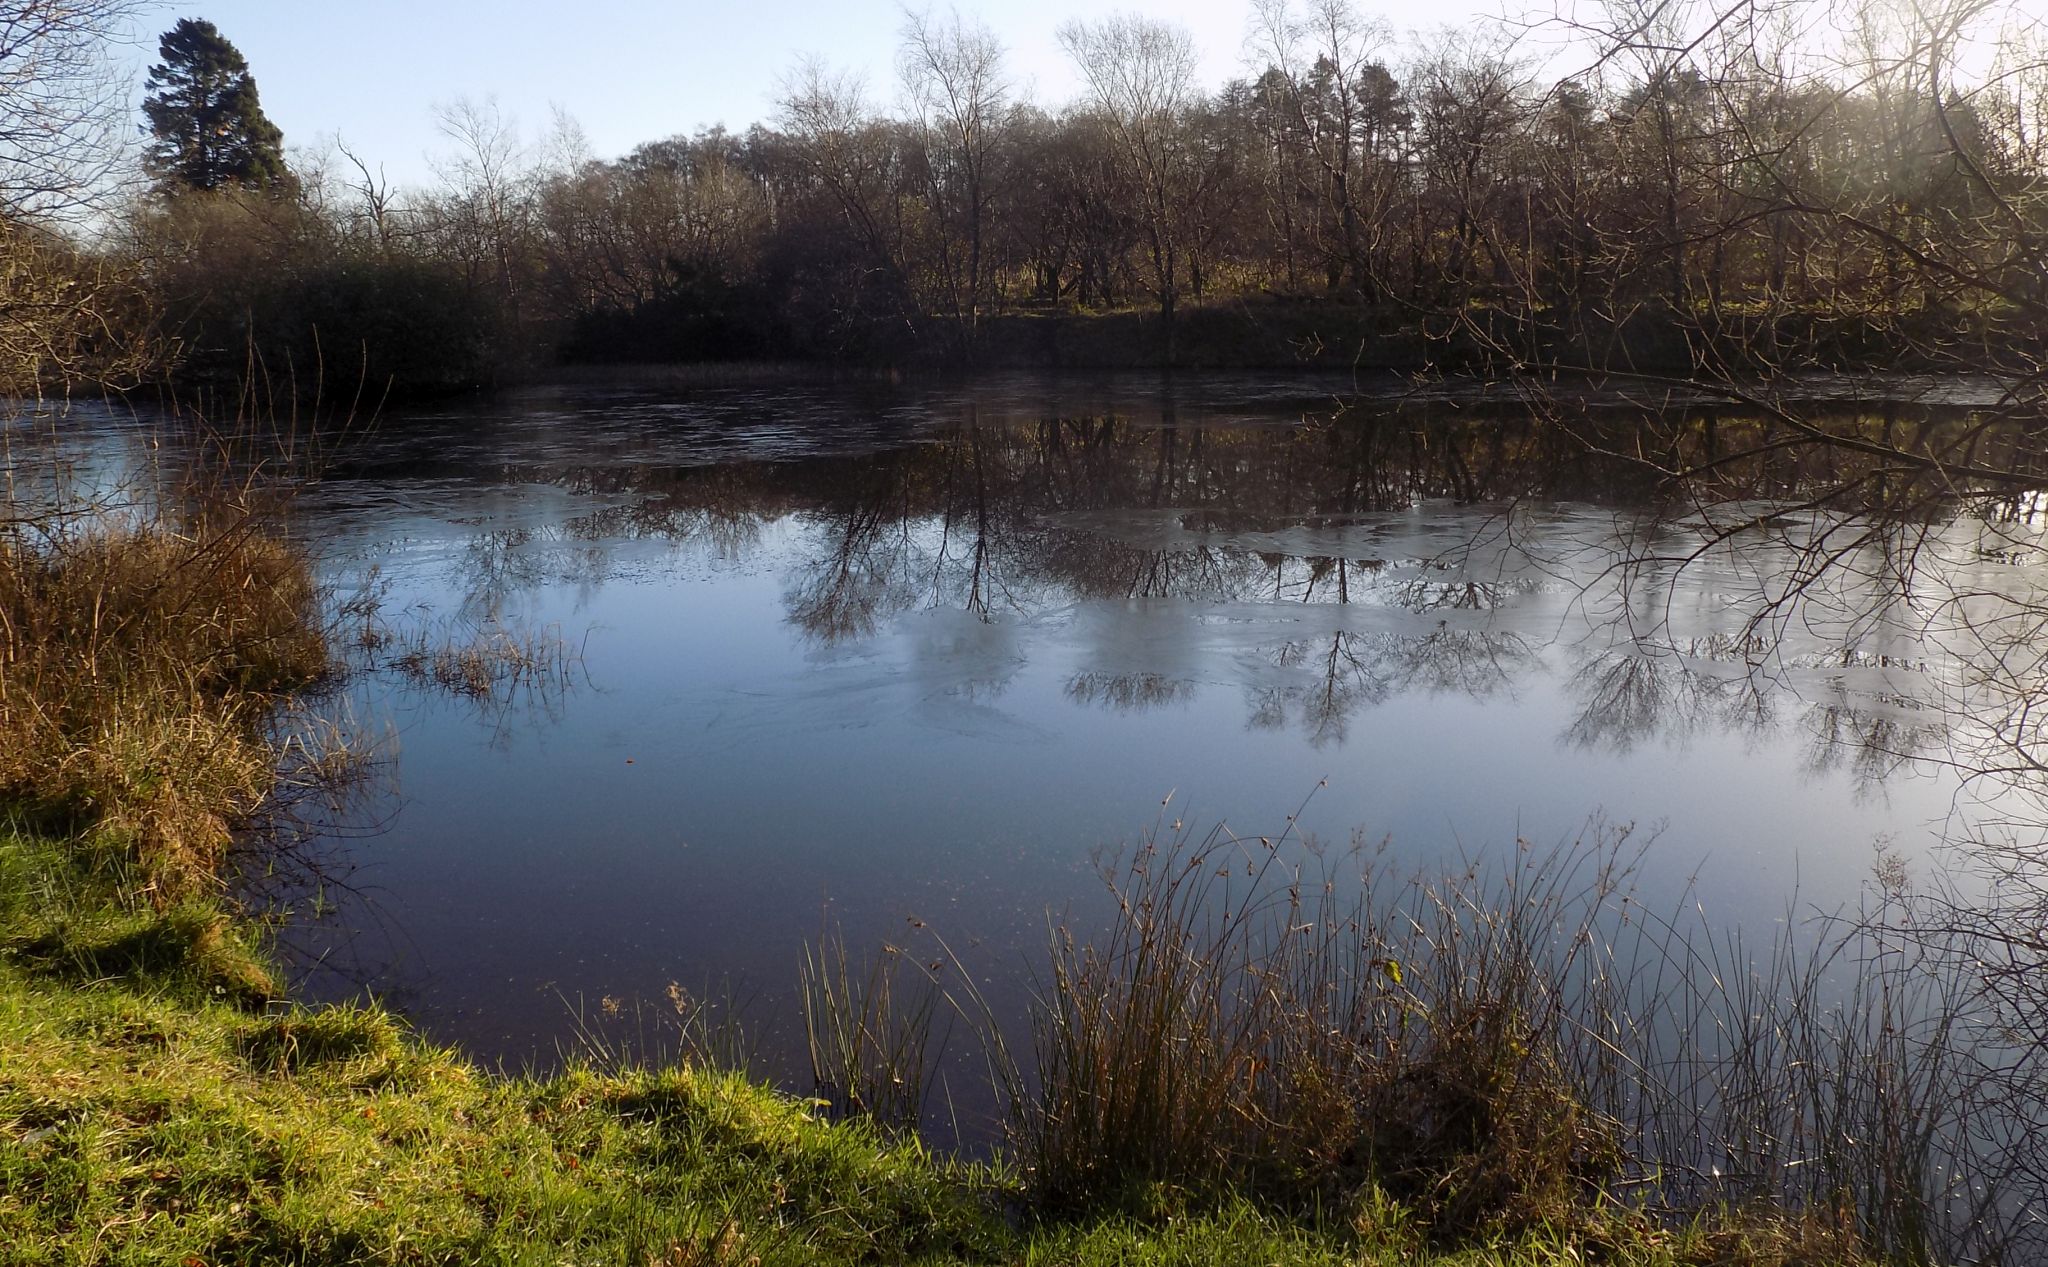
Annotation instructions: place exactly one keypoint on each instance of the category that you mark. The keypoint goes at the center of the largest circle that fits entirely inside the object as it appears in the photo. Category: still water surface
(880, 655)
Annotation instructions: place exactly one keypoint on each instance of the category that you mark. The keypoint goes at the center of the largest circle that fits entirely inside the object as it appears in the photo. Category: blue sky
(628, 70)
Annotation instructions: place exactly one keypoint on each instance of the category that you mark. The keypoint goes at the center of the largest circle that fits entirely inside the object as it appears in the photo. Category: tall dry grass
(147, 638)
(1258, 1014)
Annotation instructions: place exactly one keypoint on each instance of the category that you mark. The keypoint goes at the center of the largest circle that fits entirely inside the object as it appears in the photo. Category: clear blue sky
(629, 70)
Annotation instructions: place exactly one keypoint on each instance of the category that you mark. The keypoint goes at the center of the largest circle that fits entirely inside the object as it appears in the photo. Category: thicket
(1721, 187)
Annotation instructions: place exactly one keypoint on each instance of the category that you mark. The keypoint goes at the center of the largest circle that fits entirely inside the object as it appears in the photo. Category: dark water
(878, 656)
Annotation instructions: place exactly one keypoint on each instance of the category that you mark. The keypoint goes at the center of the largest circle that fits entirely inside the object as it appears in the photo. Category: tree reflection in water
(1689, 579)
(1695, 571)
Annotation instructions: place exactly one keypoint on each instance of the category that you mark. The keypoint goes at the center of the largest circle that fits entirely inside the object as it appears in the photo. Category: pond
(903, 660)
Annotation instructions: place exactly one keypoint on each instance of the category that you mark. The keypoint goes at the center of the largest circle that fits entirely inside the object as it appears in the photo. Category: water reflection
(876, 657)
(1335, 563)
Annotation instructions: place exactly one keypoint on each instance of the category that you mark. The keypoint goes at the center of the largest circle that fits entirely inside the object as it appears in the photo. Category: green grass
(150, 1113)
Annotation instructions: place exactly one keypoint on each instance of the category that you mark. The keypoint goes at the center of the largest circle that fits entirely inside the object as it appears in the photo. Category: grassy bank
(157, 1111)
(153, 1111)
(160, 1103)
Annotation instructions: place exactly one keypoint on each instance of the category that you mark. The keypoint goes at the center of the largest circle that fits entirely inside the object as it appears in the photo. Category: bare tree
(953, 80)
(1334, 85)
(1140, 75)
(620, 236)
(483, 220)
(1471, 98)
(847, 153)
(62, 105)
(62, 149)
(373, 196)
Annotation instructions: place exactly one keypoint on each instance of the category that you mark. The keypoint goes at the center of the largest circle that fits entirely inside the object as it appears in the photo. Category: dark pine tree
(209, 129)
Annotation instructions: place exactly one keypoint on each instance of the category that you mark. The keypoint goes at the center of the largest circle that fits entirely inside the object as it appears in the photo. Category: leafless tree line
(1717, 186)
(1710, 187)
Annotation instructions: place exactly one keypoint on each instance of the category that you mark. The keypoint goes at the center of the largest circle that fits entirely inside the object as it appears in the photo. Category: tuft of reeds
(481, 659)
(1844, 1072)
(705, 1029)
(1255, 1017)
(485, 664)
(868, 1027)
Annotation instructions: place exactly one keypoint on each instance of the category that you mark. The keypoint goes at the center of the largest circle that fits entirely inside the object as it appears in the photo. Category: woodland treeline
(1714, 185)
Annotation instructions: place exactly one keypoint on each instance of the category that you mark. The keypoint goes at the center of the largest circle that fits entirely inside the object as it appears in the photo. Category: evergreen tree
(209, 128)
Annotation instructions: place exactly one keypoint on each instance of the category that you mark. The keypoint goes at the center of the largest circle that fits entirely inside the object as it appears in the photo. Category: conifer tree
(209, 129)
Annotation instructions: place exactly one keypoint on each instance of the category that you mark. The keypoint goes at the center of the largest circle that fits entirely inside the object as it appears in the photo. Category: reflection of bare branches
(729, 530)
(1354, 671)
(1728, 566)
(1129, 692)
(1871, 745)
(1642, 693)
(496, 565)
(1473, 663)
(1626, 698)
(836, 605)
(845, 593)
(1350, 678)
(1425, 593)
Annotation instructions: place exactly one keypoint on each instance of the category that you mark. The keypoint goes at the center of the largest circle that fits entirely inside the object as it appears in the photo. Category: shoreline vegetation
(1310, 336)
(1274, 1055)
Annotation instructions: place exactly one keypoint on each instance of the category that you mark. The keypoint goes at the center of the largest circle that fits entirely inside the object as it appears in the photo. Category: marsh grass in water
(869, 1029)
(707, 1028)
(479, 658)
(143, 659)
(1259, 1017)
(487, 663)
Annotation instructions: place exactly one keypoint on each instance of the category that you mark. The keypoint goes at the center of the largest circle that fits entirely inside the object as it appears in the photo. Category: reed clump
(1248, 1023)
(868, 1028)
(490, 663)
(143, 657)
(1515, 1046)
